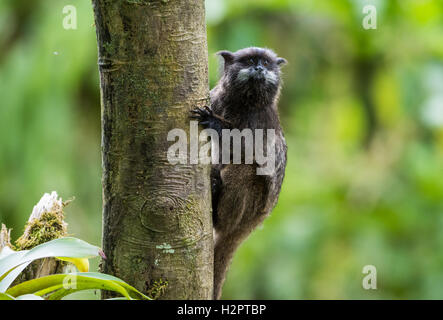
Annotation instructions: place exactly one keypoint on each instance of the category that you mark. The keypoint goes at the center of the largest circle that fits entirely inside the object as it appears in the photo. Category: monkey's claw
(203, 115)
(209, 119)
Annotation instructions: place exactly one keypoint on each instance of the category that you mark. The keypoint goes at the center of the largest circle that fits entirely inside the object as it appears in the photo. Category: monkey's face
(257, 69)
(253, 67)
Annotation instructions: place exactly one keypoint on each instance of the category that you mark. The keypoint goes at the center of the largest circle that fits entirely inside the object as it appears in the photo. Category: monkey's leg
(229, 233)
(225, 247)
(240, 210)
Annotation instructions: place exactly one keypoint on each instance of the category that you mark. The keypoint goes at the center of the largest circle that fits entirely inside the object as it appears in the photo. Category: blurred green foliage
(362, 112)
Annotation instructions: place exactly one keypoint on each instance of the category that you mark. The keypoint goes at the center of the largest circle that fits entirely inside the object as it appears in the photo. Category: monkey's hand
(209, 119)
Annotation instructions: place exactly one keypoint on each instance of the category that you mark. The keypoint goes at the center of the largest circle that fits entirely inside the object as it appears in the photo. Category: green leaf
(63, 284)
(86, 285)
(11, 261)
(45, 285)
(58, 286)
(132, 291)
(9, 277)
(63, 247)
(4, 296)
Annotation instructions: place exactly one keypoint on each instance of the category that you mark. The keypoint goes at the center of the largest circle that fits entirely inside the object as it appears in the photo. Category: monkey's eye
(251, 61)
(265, 63)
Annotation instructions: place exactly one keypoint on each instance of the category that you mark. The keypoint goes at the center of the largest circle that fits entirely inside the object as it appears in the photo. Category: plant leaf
(29, 297)
(132, 291)
(60, 286)
(11, 261)
(4, 296)
(67, 247)
(5, 252)
(91, 284)
(63, 247)
(10, 276)
(82, 264)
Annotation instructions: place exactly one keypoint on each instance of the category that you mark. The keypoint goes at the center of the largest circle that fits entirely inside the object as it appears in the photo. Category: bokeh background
(363, 117)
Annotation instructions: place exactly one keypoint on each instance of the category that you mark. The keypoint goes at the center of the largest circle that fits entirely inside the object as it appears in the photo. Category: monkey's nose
(259, 69)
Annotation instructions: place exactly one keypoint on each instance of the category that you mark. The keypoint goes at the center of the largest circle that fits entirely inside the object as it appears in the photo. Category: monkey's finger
(207, 109)
(197, 117)
(198, 111)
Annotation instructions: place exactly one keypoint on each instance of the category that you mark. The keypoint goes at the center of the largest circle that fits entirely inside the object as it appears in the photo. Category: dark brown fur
(241, 199)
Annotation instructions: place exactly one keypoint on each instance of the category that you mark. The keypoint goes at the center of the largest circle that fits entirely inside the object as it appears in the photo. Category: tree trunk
(157, 228)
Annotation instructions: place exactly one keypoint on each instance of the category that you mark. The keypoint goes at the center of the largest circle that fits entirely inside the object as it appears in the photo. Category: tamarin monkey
(245, 97)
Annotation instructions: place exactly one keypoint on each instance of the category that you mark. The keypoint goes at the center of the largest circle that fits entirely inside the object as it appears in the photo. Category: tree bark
(157, 228)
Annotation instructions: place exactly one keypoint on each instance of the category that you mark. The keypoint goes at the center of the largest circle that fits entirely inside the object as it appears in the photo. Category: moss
(157, 288)
(48, 227)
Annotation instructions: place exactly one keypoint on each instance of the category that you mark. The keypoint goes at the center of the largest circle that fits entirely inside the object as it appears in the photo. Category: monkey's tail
(223, 253)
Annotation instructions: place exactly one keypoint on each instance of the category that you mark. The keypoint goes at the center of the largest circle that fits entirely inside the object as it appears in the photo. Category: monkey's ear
(281, 61)
(227, 56)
